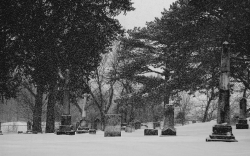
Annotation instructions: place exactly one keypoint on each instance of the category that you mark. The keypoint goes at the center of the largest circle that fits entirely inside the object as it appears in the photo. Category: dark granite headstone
(123, 126)
(151, 132)
(97, 123)
(66, 120)
(168, 128)
(222, 133)
(168, 131)
(19, 132)
(66, 127)
(92, 131)
(242, 122)
(83, 127)
(81, 130)
(112, 125)
(29, 126)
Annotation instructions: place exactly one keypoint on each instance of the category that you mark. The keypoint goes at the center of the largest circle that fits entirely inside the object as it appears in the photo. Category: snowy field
(190, 141)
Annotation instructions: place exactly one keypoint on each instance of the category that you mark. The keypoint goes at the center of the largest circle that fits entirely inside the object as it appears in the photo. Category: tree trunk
(206, 111)
(131, 117)
(50, 119)
(103, 120)
(37, 113)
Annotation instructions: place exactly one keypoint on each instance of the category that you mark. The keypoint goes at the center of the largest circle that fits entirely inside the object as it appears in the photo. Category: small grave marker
(151, 132)
(242, 122)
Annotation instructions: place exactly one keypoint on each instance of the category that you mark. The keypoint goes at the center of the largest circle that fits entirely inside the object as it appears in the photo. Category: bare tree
(103, 86)
(185, 106)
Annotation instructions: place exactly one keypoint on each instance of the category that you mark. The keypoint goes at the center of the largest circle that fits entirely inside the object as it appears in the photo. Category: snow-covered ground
(190, 141)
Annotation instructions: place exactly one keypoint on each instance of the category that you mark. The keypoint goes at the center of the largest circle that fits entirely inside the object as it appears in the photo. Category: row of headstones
(113, 127)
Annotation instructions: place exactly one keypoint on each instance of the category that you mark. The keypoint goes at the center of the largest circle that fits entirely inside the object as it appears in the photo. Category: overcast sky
(145, 11)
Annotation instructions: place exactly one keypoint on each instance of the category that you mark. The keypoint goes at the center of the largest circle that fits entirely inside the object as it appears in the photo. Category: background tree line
(183, 48)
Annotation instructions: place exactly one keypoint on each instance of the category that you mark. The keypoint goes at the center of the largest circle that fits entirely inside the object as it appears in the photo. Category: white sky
(145, 11)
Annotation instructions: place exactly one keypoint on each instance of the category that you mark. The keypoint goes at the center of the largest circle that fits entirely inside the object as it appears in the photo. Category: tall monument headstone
(242, 122)
(222, 131)
(83, 124)
(66, 127)
(168, 128)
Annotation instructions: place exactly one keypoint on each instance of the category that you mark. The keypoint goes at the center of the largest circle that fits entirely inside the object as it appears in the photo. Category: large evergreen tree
(49, 36)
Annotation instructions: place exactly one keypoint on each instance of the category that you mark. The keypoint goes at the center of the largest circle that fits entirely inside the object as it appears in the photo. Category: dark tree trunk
(50, 119)
(169, 117)
(206, 111)
(37, 113)
(131, 117)
(103, 120)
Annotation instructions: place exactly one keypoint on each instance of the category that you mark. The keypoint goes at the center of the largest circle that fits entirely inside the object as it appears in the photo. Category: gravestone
(82, 130)
(223, 131)
(66, 127)
(123, 126)
(83, 125)
(97, 124)
(149, 132)
(168, 128)
(19, 132)
(112, 125)
(242, 122)
(29, 128)
(92, 131)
